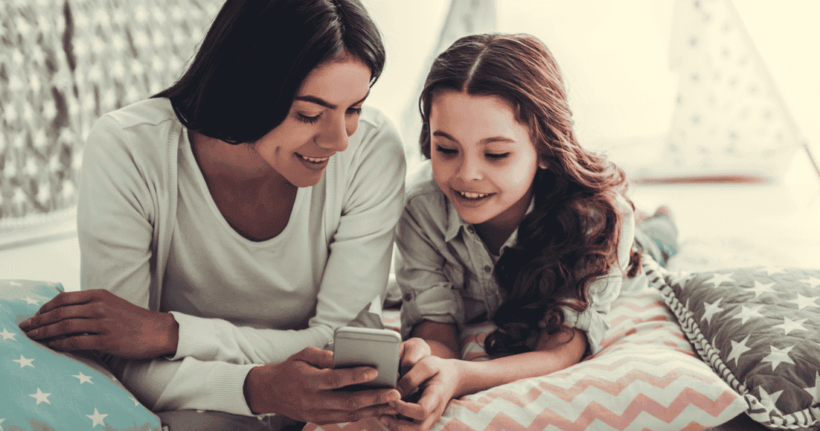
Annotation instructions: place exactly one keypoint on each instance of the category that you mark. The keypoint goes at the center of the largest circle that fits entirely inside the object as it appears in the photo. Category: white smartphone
(377, 348)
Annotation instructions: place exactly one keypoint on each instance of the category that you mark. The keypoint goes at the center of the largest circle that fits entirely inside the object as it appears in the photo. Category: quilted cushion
(758, 328)
(46, 390)
(648, 376)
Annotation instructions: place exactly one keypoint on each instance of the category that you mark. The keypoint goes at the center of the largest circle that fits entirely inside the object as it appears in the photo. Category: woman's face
(323, 115)
(482, 157)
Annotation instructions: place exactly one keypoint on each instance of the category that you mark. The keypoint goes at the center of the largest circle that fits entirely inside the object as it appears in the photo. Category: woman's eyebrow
(325, 103)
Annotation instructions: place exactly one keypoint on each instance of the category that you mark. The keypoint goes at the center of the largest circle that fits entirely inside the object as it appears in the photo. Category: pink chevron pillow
(647, 377)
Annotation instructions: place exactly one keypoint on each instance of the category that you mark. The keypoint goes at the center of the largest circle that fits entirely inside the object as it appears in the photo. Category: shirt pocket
(463, 282)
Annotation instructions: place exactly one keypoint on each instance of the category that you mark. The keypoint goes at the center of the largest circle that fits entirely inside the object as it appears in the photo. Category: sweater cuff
(228, 385)
(193, 338)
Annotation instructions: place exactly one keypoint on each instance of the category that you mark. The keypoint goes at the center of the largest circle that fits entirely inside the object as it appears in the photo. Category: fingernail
(24, 324)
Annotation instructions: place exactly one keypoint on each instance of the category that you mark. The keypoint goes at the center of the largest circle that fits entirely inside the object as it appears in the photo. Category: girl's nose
(470, 169)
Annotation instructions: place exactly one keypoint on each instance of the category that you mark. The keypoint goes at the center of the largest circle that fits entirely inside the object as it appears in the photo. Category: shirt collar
(455, 224)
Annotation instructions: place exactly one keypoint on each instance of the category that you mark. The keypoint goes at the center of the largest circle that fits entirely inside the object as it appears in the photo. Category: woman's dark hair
(571, 236)
(255, 56)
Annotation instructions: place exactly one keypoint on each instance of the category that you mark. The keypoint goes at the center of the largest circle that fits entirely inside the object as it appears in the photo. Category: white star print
(1, 421)
(714, 345)
(720, 278)
(779, 356)
(83, 378)
(136, 403)
(680, 278)
(32, 301)
(761, 288)
(24, 362)
(40, 397)
(14, 283)
(804, 301)
(813, 281)
(769, 400)
(747, 312)
(738, 349)
(710, 309)
(815, 391)
(790, 325)
(6, 335)
(97, 417)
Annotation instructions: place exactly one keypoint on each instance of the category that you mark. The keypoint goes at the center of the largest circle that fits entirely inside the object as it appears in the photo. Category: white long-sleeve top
(150, 232)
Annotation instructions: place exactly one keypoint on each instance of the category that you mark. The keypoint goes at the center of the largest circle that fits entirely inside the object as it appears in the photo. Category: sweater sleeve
(369, 199)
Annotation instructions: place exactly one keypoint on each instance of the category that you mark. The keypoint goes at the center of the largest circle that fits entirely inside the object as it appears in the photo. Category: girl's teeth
(471, 195)
(314, 159)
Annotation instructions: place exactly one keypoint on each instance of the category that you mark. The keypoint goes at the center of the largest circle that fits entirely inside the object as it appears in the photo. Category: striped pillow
(648, 376)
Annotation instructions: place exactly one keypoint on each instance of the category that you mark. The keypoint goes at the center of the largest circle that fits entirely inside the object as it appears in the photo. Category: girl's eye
(497, 156)
(306, 119)
(354, 111)
(446, 151)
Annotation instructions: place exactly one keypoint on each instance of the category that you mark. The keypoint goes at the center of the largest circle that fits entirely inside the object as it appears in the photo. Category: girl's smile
(482, 157)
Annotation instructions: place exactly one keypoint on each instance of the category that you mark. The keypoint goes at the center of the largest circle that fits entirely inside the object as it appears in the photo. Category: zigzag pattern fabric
(647, 377)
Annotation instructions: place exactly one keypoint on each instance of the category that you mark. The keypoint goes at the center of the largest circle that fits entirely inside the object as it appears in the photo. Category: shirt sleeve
(605, 289)
(427, 292)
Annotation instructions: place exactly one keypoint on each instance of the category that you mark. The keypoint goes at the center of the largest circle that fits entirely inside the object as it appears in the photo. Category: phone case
(378, 348)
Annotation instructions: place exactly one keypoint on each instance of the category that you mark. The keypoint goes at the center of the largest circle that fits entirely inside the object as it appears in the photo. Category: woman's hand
(302, 388)
(99, 320)
(438, 381)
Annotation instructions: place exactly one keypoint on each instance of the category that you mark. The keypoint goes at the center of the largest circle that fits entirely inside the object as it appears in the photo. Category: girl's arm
(441, 380)
(441, 337)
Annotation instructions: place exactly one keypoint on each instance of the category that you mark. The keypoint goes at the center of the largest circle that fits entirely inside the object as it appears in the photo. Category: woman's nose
(335, 135)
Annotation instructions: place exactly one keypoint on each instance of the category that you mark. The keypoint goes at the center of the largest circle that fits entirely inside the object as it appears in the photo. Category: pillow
(646, 377)
(44, 389)
(758, 328)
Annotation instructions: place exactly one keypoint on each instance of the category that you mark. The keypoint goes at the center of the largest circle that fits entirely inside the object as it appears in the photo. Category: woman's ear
(542, 164)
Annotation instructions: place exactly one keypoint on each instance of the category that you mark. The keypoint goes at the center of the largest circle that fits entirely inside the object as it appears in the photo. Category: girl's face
(322, 117)
(482, 157)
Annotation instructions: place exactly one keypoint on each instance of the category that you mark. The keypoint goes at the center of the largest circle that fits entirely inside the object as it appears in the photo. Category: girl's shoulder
(422, 189)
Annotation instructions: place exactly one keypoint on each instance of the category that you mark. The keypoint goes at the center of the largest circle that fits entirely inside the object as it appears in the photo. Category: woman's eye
(497, 156)
(354, 111)
(307, 119)
(446, 151)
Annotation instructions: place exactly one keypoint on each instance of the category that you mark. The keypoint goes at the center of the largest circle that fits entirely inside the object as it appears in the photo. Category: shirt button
(488, 268)
(407, 297)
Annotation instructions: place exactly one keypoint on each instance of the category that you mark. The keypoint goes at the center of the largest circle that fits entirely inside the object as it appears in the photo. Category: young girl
(512, 220)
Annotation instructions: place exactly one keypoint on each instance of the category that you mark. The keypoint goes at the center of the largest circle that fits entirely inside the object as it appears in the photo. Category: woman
(238, 217)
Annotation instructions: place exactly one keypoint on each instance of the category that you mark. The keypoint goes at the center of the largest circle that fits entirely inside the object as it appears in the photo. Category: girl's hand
(99, 320)
(411, 352)
(301, 388)
(438, 381)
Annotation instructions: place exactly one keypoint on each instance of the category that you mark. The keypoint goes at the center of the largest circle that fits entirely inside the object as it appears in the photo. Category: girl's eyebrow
(325, 103)
(485, 141)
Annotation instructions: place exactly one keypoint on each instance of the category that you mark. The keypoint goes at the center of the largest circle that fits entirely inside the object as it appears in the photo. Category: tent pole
(811, 159)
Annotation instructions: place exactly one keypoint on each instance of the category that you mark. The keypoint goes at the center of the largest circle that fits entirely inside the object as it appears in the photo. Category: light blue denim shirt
(445, 271)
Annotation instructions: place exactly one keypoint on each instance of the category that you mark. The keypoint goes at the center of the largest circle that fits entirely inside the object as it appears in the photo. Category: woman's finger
(58, 314)
(350, 401)
(337, 416)
(65, 328)
(396, 424)
(410, 410)
(69, 298)
(340, 377)
(75, 342)
(317, 357)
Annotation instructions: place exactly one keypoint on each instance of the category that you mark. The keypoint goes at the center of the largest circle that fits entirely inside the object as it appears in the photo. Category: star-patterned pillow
(43, 389)
(759, 328)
